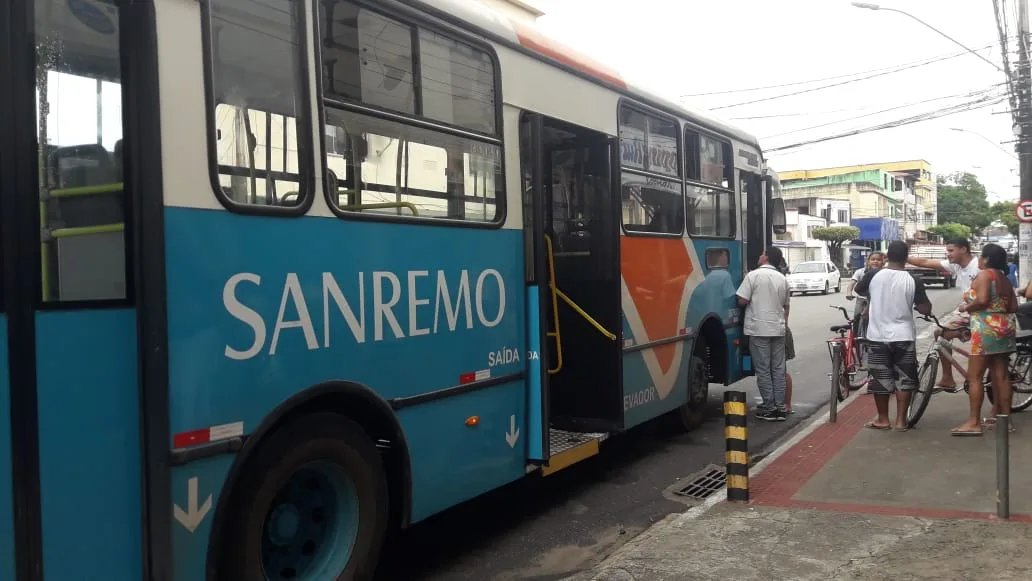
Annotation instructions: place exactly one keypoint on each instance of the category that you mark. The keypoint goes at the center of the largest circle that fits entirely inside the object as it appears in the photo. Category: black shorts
(892, 366)
(789, 345)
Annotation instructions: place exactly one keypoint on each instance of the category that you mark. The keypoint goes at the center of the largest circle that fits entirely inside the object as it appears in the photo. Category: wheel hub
(284, 523)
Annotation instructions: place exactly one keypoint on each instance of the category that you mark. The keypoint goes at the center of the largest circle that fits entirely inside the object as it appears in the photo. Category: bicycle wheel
(1021, 382)
(925, 384)
(855, 373)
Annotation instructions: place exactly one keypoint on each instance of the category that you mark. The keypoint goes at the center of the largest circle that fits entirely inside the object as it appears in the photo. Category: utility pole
(1023, 132)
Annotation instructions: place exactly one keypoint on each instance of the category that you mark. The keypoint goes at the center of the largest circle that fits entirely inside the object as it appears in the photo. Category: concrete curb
(676, 521)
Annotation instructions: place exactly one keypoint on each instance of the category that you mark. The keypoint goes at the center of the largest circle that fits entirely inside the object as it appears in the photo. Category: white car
(815, 276)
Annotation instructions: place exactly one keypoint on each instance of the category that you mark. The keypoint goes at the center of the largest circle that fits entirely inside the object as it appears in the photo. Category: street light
(869, 6)
(996, 145)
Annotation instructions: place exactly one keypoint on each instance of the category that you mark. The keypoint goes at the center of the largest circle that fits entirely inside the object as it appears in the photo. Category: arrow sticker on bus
(513, 434)
(192, 517)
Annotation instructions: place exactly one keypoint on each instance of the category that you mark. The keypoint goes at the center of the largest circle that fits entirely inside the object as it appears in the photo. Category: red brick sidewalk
(779, 482)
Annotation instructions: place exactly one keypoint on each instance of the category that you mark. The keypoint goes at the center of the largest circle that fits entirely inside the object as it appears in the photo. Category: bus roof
(497, 27)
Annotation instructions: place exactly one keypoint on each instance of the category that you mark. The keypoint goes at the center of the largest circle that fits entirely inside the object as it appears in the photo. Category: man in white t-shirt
(764, 294)
(961, 264)
(894, 293)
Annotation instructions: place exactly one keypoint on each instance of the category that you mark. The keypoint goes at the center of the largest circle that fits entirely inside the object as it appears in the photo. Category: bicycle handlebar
(931, 318)
(844, 312)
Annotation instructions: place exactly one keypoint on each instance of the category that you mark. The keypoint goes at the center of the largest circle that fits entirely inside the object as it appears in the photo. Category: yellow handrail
(55, 233)
(383, 205)
(555, 309)
(86, 191)
(556, 293)
(87, 230)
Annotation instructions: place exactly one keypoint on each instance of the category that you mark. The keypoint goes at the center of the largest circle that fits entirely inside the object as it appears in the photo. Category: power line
(833, 78)
(979, 93)
(964, 107)
(822, 87)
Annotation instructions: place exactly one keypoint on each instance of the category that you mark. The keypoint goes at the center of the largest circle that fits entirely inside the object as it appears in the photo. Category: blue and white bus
(282, 275)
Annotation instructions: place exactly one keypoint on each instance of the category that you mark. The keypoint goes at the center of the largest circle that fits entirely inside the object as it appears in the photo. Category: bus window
(80, 126)
(711, 202)
(410, 171)
(256, 83)
(651, 190)
(710, 212)
(457, 82)
(435, 165)
(657, 207)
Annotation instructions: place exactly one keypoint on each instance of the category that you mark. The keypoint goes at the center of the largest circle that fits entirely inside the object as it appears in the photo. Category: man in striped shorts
(892, 361)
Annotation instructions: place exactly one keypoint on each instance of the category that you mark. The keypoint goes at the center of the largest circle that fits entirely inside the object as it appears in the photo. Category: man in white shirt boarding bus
(964, 266)
(764, 294)
(894, 293)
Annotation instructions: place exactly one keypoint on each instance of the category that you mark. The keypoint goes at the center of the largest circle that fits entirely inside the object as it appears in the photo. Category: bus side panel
(657, 275)
(453, 462)
(257, 316)
(6, 494)
(716, 296)
(89, 444)
(190, 548)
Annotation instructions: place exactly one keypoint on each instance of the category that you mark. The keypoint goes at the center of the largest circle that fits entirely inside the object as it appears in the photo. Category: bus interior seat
(80, 166)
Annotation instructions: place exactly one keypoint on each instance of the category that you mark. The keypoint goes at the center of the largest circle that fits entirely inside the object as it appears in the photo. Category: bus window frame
(416, 21)
(303, 120)
(729, 175)
(651, 111)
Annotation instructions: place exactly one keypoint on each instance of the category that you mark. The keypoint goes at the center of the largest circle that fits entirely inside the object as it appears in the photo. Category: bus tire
(693, 412)
(312, 504)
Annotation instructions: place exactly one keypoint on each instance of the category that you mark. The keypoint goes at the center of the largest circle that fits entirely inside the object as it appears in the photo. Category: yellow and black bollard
(737, 455)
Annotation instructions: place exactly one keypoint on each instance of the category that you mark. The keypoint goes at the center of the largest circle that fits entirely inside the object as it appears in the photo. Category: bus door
(754, 226)
(572, 233)
(69, 392)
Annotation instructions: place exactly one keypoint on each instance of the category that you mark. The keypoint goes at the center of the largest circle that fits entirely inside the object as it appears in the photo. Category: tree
(836, 236)
(962, 201)
(951, 230)
(1004, 212)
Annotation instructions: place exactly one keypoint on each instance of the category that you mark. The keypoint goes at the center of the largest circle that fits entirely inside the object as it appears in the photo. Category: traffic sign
(1024, 211)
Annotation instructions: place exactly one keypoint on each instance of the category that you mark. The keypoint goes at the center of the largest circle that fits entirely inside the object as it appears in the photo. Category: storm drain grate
(710, 480)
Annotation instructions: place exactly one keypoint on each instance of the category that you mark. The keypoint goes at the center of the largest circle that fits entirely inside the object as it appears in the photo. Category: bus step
(568, 448)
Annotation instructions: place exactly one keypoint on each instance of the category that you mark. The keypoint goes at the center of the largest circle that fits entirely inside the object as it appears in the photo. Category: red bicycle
(847, 353)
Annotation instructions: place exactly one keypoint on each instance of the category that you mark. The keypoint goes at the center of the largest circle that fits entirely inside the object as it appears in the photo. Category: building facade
(798, 243)
(902, 191)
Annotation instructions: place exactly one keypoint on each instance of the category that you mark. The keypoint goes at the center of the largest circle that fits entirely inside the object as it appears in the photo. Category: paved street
(548, 529)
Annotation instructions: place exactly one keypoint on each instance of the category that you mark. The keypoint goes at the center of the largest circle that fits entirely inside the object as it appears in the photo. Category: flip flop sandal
(872, 426)
(966, 433)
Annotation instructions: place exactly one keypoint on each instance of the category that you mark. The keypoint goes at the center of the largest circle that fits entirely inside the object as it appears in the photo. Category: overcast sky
(690, 47)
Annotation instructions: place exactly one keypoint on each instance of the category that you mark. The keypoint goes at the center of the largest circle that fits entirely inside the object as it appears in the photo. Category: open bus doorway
(572, 235)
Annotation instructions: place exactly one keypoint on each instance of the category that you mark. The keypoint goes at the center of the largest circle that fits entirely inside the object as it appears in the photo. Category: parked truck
(938, 276)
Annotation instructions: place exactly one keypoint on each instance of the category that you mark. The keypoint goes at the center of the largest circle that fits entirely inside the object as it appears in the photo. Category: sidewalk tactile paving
(778, 484)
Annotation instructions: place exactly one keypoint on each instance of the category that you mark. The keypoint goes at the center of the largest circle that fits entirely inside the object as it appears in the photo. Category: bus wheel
(311, 506)
(692, 413)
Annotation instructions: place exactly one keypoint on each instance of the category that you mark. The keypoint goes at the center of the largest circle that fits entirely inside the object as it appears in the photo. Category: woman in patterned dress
(991, 303)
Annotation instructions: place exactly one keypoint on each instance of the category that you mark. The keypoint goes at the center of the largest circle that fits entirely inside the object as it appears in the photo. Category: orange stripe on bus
(538, 42)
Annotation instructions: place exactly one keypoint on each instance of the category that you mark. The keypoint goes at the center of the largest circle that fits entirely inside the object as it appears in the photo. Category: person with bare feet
(963, 265)
(893, 294)
(992, 304)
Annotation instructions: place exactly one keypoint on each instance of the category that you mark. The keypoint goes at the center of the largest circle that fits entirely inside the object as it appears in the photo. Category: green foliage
(962, 201)
(1004, 212)
(951, 230)
(835, 236)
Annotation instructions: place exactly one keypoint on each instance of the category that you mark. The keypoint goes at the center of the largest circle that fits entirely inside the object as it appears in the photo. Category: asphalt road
(546, 529)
